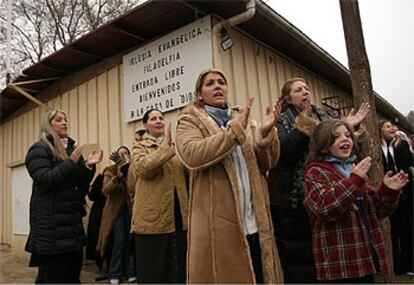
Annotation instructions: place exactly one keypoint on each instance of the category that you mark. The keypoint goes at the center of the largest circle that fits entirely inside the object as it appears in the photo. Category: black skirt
(161, 258)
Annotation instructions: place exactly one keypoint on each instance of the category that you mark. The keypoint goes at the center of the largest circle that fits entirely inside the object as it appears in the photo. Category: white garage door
(21, 191)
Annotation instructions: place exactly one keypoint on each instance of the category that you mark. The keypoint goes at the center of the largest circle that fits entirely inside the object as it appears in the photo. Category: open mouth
(218, 94)
(345, 147)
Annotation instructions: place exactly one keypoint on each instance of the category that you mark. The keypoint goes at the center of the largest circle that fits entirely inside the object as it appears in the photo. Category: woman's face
(125, 154)
(342, 146)
(59, 124)
(299, 95)
(155, 124)
(387, 131)
(214, 90)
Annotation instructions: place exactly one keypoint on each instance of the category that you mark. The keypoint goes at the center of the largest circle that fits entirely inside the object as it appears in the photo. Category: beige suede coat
(156, 171)
(115, 189)
(218, 251)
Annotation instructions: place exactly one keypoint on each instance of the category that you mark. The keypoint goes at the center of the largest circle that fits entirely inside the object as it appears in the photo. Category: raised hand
(245, 114)
(93, 158)
(356, 119)
(308, 109)
(361, 169)
(270, 118)
(76, 154)
(397, 141)
(397, 181)
(169, 135)
(117, 158)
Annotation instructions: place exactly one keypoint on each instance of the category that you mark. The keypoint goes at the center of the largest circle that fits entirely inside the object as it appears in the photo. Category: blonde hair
(287, 88)
(200, 81)
(50, 137)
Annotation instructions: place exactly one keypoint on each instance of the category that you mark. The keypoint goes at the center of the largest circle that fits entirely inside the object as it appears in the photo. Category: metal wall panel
(95, 107)
(259, 71)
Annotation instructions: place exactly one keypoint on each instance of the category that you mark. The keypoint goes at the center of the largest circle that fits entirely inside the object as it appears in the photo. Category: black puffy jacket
(56, 204)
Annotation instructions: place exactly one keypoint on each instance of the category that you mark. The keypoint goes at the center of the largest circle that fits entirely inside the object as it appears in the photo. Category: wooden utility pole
(363, 92)
(361, 82)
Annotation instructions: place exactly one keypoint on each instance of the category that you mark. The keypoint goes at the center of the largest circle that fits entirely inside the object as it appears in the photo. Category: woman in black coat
(291, 222)
(396, 156)
(61, 180)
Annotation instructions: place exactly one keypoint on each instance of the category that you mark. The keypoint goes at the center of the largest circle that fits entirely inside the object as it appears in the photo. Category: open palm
(94, 157)
(356, 119)
(270, 118)
(396, 181)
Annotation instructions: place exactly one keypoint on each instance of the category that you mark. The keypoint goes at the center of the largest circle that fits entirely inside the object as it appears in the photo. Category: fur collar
(199, 117)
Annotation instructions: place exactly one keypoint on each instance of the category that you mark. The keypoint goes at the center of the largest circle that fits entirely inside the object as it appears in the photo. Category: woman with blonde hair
(230, 229)
(61, 180)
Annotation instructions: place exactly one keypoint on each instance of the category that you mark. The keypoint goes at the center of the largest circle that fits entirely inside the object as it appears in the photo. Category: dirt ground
(15, 271)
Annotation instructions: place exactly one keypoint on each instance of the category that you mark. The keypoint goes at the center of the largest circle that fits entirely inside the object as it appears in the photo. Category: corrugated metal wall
(95, 107)
(254, 69)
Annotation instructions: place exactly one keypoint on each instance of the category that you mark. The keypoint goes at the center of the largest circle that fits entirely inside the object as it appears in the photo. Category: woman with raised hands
(159, 199)
(61, 180)
(230, 229)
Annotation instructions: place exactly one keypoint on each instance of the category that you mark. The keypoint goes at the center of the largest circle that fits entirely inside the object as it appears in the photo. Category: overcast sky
(388, 27)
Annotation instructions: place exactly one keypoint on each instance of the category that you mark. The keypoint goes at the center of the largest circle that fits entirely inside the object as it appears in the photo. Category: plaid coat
(341, 243)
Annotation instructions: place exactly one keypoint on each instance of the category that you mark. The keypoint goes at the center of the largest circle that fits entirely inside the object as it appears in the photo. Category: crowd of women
(231, 200)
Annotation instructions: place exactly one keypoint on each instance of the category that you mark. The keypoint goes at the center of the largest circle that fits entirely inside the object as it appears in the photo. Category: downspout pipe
(233, 21)
(237, 19)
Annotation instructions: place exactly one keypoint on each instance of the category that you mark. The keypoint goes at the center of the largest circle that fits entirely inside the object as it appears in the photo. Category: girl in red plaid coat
(344, 207)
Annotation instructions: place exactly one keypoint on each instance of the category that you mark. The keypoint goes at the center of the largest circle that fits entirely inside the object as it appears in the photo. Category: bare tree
(45, 26)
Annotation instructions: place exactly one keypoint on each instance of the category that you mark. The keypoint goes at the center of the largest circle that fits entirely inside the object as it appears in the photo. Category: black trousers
(161, 258)
(60, 268)
(254, 246)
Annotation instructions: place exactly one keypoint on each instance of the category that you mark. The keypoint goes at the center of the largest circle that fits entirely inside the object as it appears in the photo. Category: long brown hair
(381, 124)
(287, 88)
(324, 136)
(200, 80)
(50, 137)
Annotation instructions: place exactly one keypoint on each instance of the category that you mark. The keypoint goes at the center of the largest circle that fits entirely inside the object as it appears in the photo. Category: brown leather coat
(115, 189)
